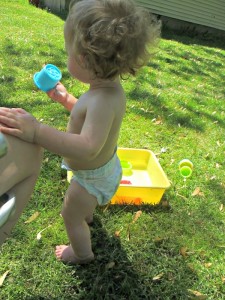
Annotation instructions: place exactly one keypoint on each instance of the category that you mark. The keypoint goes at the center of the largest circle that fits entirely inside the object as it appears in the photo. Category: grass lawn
(176, 108)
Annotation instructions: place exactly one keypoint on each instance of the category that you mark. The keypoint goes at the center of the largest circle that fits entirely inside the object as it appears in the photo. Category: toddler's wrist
(64, 97)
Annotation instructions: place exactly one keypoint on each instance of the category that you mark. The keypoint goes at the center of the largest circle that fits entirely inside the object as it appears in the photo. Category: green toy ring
(185, 168)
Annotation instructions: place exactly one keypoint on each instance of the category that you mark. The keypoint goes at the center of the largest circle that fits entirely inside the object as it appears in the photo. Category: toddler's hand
(18, 122)
(59, 93)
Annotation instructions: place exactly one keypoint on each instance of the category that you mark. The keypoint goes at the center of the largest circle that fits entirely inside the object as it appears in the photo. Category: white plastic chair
(7, 209)
(7, 201)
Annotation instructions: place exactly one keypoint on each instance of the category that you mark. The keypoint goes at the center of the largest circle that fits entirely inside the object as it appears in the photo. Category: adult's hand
(19, 123)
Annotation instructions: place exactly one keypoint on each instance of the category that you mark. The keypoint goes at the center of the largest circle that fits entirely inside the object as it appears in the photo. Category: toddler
(104, 40)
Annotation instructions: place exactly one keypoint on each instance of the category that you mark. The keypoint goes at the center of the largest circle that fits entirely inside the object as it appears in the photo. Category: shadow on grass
(192, 112)
(219, 190)
(25, 57)
(190, 117)
(183, 65)
(189, 38)
(114, 275)
(158, 107)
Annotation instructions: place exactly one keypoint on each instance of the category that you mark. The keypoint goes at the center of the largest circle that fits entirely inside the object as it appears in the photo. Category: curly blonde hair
(115, 37)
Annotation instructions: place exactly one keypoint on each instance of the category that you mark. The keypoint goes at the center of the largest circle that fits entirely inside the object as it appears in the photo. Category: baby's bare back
(97, 116)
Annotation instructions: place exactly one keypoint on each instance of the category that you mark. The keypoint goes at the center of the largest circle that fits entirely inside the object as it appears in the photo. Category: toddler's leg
(19, 170)
(78, 205)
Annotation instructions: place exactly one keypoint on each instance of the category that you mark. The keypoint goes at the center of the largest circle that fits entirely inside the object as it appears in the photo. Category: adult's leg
(78, 206)
(19, 170)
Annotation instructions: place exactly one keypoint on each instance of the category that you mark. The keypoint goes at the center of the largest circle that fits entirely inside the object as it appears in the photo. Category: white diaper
(102, 182)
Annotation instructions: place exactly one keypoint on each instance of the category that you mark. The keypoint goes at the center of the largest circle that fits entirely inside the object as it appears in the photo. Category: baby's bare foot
(66, 254)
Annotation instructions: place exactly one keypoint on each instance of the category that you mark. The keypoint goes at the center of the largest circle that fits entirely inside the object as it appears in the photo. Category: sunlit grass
(176, 109)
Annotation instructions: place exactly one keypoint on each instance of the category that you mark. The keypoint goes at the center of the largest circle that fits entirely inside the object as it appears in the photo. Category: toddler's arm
(83, 146)
(60, 94)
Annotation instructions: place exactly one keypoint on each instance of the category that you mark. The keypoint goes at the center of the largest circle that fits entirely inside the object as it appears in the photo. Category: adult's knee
(21, 161)
(37, 156)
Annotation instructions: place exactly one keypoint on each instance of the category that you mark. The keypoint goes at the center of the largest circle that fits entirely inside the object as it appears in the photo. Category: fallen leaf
(2, 278)
(158, 122)
(39, 233)
(32, 218)
(223, 279)
(197, 192)
(197, 295)
(137, 216)
(106, 208)
(208, 265)
(221, 207)
(172, 161)
(183, 251)
(117, 233)
(158, 277)
(158, 239)
(165, 203)
(191, 267)
(110, 265)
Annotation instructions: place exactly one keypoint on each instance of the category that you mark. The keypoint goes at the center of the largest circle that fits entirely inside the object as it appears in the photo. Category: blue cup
(47, 78)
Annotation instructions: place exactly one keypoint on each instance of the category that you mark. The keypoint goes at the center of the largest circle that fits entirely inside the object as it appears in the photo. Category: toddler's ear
(82, 59)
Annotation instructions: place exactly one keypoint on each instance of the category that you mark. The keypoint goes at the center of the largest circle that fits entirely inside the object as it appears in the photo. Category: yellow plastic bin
(148, 181)
(145, 183)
